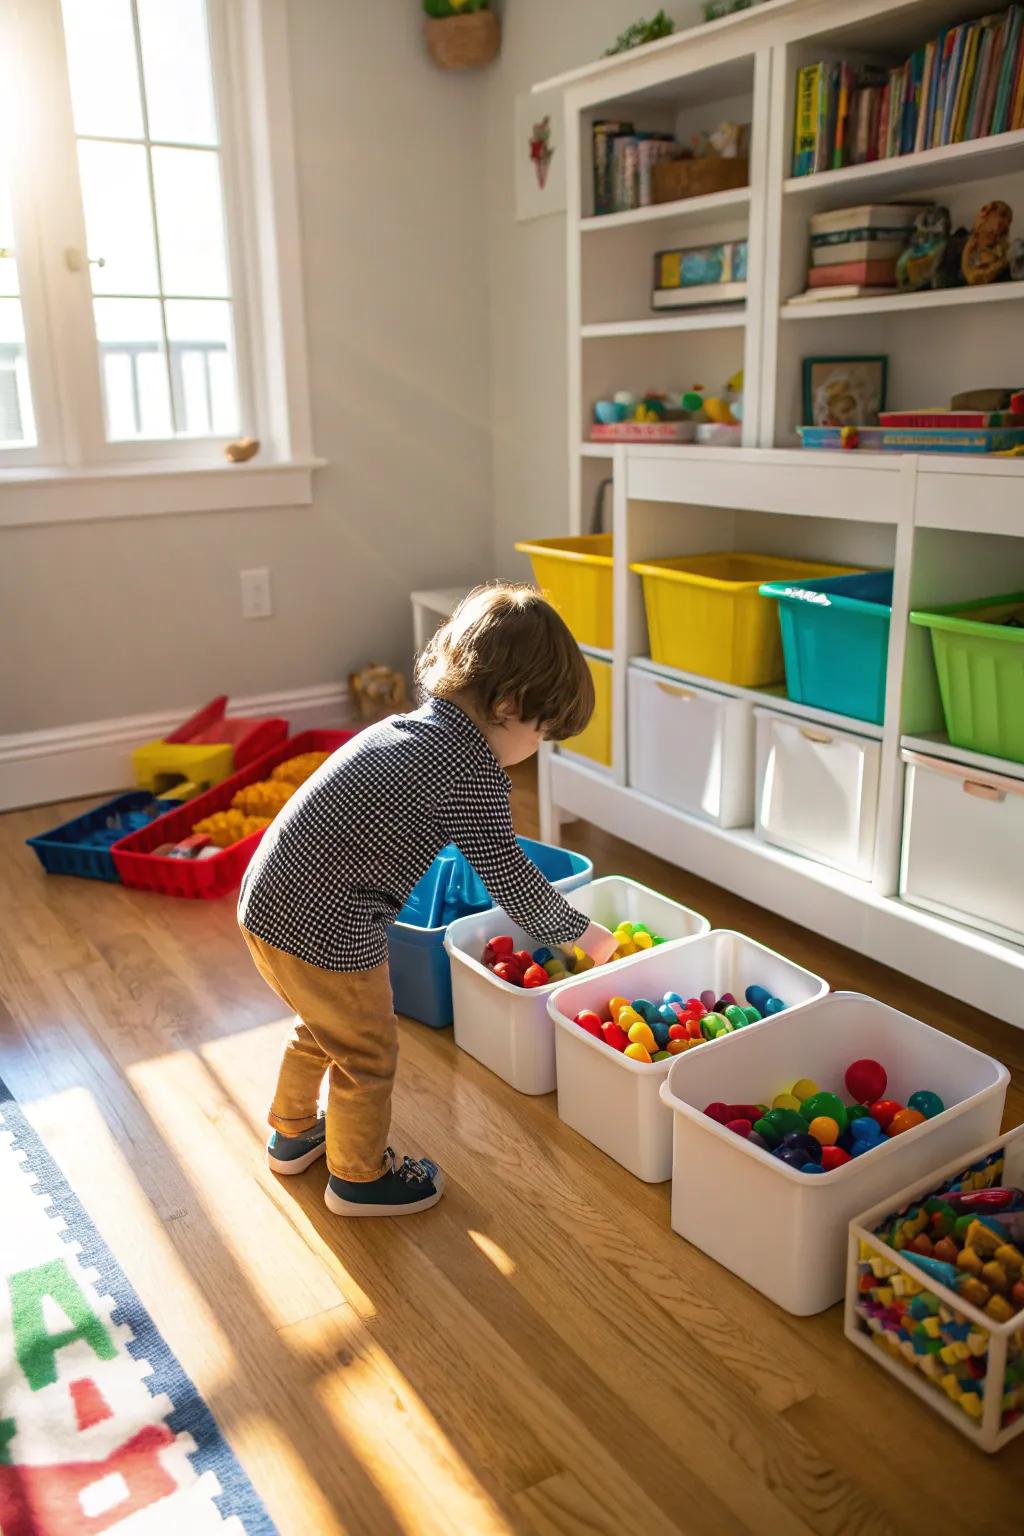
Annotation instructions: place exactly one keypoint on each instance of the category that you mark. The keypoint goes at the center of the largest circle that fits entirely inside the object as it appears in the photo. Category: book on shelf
(864, 219)
(702, 293)
(866, 274)
(961, 420)
(875, 245)
(965, 82)
(843, 291)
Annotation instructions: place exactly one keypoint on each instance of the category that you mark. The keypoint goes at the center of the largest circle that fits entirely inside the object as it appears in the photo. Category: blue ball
(866, 1129)
(812, 1168)
(672, 997)
(926, 1103)
(542, 956)
(659, 1029)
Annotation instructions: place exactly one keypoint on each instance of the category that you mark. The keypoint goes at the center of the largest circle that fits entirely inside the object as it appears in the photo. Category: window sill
(33, 497)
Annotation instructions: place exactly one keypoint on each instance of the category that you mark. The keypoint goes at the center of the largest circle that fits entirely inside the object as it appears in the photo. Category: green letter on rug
(35, 1348)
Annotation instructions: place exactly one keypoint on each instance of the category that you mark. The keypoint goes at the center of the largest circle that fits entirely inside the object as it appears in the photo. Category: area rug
(100, 1428)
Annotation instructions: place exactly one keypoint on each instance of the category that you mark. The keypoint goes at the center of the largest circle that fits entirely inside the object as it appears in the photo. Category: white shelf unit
(951, 528)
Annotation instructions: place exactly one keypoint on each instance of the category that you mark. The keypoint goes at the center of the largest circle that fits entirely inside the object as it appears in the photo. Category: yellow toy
(262, 799)
(298, 769)
(226, 827)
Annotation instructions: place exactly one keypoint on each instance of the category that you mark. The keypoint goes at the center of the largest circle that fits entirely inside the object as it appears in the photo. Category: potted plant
(461, 34)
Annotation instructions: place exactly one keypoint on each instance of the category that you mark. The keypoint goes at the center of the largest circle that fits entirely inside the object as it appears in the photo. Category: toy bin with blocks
(613, 1099)
(935, 1294)
(772, 1223)
(507, 1027)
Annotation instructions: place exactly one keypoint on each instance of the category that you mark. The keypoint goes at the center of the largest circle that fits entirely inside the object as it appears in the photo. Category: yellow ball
(785, 1101)
(615, 1005)
(642, 941)
(803, 1089)
(637, 1052)
(824, 1129)
(641, 1033)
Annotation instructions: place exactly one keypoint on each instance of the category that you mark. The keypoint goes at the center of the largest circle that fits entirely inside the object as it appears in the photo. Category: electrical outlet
(257, 602)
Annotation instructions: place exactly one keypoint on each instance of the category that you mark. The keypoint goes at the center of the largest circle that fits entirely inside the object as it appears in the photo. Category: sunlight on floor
(490, 1250)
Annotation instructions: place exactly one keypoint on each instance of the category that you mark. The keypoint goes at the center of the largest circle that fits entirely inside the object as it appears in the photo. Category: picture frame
(844, 391)
(539, 154)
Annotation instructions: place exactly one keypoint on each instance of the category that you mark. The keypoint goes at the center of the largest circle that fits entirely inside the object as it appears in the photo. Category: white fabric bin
(963, 845)
(612, 1100)
(783, 1231)
(817, 791)
(692, 748)
(507, 1027)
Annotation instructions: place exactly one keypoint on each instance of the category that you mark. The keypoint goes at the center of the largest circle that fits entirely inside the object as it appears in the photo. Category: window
(149, 306)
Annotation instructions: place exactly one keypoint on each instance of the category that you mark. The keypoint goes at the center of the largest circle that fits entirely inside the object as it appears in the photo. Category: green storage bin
(979, 658)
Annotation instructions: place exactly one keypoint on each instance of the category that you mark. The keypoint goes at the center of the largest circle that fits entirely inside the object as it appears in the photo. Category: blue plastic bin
(421, 976)
(835, 640)
(82, 846)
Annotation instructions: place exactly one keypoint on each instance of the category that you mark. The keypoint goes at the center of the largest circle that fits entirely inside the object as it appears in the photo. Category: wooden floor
(540, 1354)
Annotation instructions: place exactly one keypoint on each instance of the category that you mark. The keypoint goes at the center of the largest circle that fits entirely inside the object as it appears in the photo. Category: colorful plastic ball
(803, 1088)
(805, 1142)
(660, 1056)
(506, 971)
(825, 1130)
(813, 1168)
(616, 1005)
(741, 1127)
(591, 1023)
(674, 1047)
(883, 1110)
(866, 1080)
(640, 1034)
(659, 1029)
(929, 1104)
(905, 1121)
(758, 1141)
(708, 999)
(736, 1015)
(637, 1052)
(672, 997)
(828, 1104)
(795, 1157)
(833, 1157)
(535, 976)
(718, 1111)
(856, 1112)
(866, 1132)
(785, 1101)
(614, 1036)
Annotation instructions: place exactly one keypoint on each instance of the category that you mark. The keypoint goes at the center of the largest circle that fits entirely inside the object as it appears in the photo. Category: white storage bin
(692, 748)
(963, 841)
(614, 1101)
(507, 1027)
(817, 791)
(999, 1344)
(783, 1231)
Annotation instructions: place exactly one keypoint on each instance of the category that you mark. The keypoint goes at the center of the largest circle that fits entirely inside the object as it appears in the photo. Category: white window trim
(250, 47)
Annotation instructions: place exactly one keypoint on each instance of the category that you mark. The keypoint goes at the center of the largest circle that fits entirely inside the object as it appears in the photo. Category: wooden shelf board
(973, 160)
(767, 698)
(687, 209)
(938, 744)
(724, 319)
(902, 303)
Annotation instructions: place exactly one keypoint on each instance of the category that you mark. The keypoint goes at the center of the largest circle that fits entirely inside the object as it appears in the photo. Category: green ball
(856, 1112)
(926, 1103)
(827, 1104)
(785, 1120)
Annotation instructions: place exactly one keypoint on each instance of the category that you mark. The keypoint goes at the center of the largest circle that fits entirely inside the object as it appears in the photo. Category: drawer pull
(983, 791)
(822, 737)
(675, 692)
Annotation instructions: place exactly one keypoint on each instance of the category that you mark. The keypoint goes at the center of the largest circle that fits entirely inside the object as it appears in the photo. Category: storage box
(835, 641)
(82, 845)
(576, 576)
(206, 748)
(979, 658)
(692, 748)
(705, 613)
(781, 1230)
(613, 1101)
(508, 1028)
(421, 977)
(987, 1407)
(817, 791)
(138, 866)
(672, 180)
(596, 741)
(963, 839)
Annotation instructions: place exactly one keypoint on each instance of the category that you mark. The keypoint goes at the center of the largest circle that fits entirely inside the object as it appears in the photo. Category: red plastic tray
(139, 867)
(249, 738)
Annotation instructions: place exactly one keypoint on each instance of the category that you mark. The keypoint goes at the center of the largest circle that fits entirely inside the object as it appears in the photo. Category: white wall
(113, 619)
(527, 271)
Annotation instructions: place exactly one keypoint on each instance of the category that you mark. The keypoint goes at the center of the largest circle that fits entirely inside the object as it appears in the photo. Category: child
(339, 862)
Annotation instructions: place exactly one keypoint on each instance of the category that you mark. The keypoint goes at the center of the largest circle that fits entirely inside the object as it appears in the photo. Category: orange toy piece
(262, 799)
(298, 769)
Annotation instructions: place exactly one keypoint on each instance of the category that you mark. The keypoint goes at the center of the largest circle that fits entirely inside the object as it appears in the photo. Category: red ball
(503, 944)
(833, 1157)
(678, 1032)
(523, 959)
(718, 1111)
(883, 1111)
(537, 976)
(508, 972)
(741, 1127)
(589, 1021)
(866, 1080)
(614, 1036)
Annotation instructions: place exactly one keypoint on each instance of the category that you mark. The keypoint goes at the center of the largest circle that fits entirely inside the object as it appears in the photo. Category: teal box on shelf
(835, 640)
(421, 975)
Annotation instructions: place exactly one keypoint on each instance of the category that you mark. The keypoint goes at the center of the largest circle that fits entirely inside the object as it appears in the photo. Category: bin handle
(822, 737)
(983, 791)
(675, 692)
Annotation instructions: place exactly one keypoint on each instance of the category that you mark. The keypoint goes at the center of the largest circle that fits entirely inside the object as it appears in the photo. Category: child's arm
(478, 820)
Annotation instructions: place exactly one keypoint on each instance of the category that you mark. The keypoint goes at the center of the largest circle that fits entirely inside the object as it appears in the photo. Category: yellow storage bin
(161, 764)
(596, 741)
(576, 576)
(705, 614)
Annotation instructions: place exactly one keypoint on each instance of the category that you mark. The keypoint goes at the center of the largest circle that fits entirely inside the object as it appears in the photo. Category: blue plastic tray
(82, 846)
(835, 640)
(421, 976)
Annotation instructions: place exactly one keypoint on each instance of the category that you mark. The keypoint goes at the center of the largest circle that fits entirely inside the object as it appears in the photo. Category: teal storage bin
(835, 640)
(421, 974)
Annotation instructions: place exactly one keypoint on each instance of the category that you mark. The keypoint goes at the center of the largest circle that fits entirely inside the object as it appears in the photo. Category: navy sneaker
(294, 1154)
(402, 1189)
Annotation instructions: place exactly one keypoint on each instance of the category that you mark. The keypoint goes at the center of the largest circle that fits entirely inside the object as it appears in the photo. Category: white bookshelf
(951, 528)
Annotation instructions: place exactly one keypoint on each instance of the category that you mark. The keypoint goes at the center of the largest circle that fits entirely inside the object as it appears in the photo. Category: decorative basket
(672, 180)
(463, 42)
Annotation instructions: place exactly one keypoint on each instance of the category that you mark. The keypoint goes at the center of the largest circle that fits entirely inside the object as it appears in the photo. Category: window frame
(252, 90)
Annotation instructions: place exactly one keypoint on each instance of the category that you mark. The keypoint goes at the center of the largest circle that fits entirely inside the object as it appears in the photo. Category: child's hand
(598, 943)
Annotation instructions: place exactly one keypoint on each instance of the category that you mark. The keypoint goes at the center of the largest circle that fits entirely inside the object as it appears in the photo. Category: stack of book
(623, 162)
(854, 250)
(966, 83)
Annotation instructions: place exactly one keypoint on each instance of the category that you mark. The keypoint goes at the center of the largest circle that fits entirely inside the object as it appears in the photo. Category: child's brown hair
(506, 649)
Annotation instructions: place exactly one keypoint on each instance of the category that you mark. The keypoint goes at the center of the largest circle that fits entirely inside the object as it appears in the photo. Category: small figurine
(950, 273)
(987, 252)
(922, 257)
(377, 691)
(243, 449)
(1017, 260)
(727, 409)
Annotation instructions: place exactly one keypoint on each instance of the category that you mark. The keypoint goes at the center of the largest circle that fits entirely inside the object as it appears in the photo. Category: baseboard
(90, 759)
